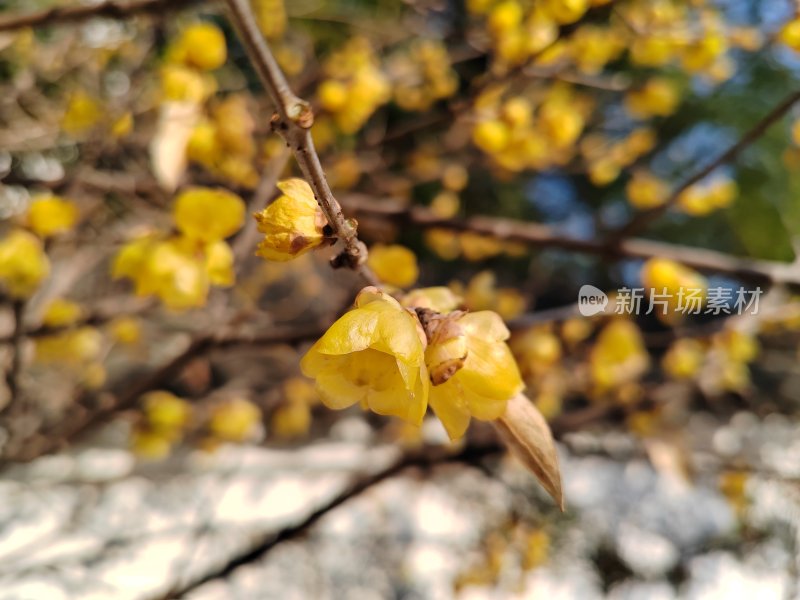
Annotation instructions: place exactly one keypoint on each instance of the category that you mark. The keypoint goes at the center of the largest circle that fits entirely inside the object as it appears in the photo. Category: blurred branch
(536, 234)
(293, 122)
(16, 339)
(424, 458)
(642, 219)
(93, 408)
(74, 14)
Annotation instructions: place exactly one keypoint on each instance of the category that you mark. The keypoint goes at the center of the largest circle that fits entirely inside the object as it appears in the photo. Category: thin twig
(293, 121)
(92, 409)
(641, 220)
(538, 235)
(81, 12)
(17, 338)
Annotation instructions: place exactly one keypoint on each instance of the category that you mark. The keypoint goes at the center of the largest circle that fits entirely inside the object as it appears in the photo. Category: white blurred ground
(95, 524)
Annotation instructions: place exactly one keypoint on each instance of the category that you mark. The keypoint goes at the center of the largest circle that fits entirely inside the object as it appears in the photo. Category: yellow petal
(450, 409)
(208, 214)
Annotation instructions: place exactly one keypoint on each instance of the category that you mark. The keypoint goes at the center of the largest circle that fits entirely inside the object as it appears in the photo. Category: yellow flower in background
(439, 299)
(74, 347)
(83, 112)
(61, 312)
(393, 264)
(291, 420)
(700, 200)
(200, 45)
(293, 224)
(485, 382)
(790, 34)
(131, 262)
(150, 445)
(658, 98)
(23, 263)
(125, 330)
(618, 356)
(270, 16)
(165, 411)
(675, 289)
(219, 263)
(373, 355)
(684, 358)
(182, 84)
(176, 274)
(207, 214)
(645, 190)
(235, 420)
(49, 215)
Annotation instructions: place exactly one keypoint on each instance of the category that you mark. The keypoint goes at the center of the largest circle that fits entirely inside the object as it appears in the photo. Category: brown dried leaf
(176, 120)
(527, 434)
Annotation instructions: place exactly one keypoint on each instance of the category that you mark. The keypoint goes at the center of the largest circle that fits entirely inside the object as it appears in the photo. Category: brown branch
(93, 409)
(293, 121)
(112, 9)
(538, 235)
(642, 219)
(16, 339)
(424, 458)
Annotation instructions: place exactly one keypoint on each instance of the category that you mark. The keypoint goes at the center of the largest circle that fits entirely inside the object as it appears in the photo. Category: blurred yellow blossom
(393, 264)
(200, 45)
(23, 263)
(83, 112)
(61, 312)
(165, 411)
(207, 214)
(235, 420)
(50, 215)
(618, 356)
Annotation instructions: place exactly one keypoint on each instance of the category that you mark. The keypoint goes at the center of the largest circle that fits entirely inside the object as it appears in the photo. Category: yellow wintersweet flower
(394, 264)
(165, 412)
(201, 45)
(207, 214)
(83, 112)
(658, 97)
(131, 262)
(236, 420)
(790, 34)
(183, 84)
(219, 264)
(678, 289)
(74, 347)
(619, 356)
(292, 420)
(487, 378)
(177, 275)
(150, 445)
(684, 358)
(23, 263)
(49, 215)
(61, 312)
(645, 190)
(439, 299)
(293, 224)
(125, 330)
(374, 355)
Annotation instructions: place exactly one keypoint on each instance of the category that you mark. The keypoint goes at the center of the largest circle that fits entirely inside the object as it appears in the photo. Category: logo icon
(591, 300)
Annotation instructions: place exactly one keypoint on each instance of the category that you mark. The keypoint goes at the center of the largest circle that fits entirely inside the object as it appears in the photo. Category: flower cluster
(354, 86)
(395, 360)
(200, 48)
(223, 142)
(422, 75)
(180, 269)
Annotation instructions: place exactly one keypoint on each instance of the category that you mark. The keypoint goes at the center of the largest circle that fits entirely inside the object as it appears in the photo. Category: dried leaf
(527, 434)
(176, 120)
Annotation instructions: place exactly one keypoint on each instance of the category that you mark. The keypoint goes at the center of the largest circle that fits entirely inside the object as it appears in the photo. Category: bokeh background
(156, 436)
